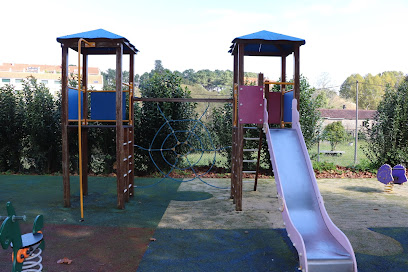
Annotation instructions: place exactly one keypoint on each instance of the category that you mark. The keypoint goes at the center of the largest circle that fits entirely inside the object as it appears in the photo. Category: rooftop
(347, 114)
(266, 43)
(106, 42)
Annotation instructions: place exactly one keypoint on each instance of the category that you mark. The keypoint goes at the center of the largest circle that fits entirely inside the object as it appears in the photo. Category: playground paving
(194, 227)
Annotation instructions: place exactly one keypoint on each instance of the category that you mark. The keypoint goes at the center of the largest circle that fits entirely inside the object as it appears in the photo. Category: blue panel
(73, 105)
(103, 106)
(287, 107)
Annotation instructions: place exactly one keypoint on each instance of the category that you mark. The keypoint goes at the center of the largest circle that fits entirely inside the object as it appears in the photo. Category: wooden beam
(158, 99)
(234, 126)
(240, 155)
(240, 135)
(64, 128)
(119, 129)
(296, 76)
(84, 136)
(241, 64)
(283, 87)
(132, 128)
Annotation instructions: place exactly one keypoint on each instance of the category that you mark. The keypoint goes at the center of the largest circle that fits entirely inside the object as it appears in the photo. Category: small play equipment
(27, 248)
(390, 176)
(107, 109)
(321, 246)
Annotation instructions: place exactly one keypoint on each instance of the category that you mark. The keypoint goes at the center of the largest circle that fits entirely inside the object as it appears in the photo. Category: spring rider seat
(390, 176)
(27, 248)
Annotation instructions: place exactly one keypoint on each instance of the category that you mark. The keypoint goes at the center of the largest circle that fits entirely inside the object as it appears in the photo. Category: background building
(49, 75)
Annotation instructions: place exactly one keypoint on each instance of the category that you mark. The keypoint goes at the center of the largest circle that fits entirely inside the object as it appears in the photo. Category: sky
(343, 37)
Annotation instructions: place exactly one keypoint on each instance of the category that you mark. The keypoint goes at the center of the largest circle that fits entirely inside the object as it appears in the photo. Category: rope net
(183, 149)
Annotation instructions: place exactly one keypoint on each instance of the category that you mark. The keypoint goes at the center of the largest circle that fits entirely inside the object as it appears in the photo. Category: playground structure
(321, 246)
(27, 248)
(391, 175)
(104, 112)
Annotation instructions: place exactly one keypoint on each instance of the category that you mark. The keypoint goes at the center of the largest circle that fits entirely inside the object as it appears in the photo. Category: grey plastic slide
(321, 246)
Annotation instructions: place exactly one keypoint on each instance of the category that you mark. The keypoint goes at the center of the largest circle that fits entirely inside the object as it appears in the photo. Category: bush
(148, 120)
(11, 129)
(387, 141)
(335, 134)
(323, 166)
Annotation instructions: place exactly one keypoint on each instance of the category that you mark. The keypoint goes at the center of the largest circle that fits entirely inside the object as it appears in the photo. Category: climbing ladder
(247, 163)
(128, 161)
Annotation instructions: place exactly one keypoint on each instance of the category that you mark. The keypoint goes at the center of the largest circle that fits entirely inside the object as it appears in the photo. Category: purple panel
(274, 107)
(250, 105)
(384, 174)
(398, 172)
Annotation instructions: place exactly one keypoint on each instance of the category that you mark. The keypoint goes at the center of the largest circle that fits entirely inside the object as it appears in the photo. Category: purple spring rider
(396, 175)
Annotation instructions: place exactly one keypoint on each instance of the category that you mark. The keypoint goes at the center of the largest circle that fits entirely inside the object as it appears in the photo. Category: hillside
(198, 91)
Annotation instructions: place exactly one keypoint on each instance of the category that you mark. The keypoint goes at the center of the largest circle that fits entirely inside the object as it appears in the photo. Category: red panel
(250, 105)
(274, 107)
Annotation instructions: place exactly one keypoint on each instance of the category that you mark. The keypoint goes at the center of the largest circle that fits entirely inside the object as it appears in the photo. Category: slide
(321, 246)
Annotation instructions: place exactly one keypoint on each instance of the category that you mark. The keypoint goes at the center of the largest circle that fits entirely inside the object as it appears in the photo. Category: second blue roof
(266, 43)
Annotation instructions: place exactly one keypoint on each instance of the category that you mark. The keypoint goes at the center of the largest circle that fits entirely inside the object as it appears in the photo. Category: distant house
(348, 118)
(49, 75)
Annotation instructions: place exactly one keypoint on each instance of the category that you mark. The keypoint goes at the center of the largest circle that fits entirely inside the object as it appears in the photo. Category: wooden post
(84, 131)
(297, 74)
(234, 174)
(64, 128)
(126, 164)
(260, 83)
(132, 128)
(119, 128)
(240, 133)
(282, 87)
(234, 127)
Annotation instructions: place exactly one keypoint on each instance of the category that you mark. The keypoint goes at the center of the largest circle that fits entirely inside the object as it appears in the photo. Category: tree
(158, 67)
(387, 141)
(335, 134)
(11, 129)
(370, 88)
(148, 119)
(309, 116)
(42, 144)
(109, 79)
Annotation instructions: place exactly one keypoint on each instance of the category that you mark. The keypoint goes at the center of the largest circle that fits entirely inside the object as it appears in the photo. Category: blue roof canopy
(106, 42)
(266, 43)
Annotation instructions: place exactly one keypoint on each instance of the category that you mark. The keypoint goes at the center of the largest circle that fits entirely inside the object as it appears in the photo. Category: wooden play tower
(107, 109)
(248, 100)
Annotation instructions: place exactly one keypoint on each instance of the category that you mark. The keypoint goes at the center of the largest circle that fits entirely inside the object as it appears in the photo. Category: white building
(49, 75)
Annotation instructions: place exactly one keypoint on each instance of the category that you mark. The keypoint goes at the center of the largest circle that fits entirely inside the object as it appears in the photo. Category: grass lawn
(345, 159)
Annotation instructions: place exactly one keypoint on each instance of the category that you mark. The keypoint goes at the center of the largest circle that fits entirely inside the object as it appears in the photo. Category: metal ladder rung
(250, 150)
(249, 160)
(251, 139)
(248, 172)
(250, 127)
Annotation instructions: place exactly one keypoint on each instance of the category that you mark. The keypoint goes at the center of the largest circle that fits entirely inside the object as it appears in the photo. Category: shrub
(387, 141)
(335, 134)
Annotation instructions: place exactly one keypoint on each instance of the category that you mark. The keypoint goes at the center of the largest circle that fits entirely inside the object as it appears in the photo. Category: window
(5, 80)
(96, 81)
(44, 81)
(19, 80)
(57, 81)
